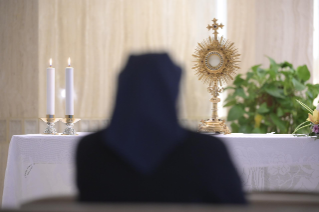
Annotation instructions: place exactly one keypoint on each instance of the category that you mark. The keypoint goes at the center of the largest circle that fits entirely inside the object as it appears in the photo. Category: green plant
(265, 100)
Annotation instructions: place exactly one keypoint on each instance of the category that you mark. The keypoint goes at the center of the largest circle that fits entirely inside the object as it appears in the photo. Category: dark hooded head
(144, 128)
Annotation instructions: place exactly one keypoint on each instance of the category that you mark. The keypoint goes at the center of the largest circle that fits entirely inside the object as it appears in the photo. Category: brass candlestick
(50, 120)
(216, 63)
(69, 121)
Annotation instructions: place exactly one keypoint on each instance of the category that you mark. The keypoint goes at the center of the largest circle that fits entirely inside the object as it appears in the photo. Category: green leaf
(235, 112)
(252, 92)
(263, 128)
(230, 103)
(303, 73)
(286, 103)
(242, 120)
(240, 92)
(267, 123)
(249, 76)
(261, 73)
(312, 134)
(229, 87)
(273, 65)
(272, 73)
(305, 106)
(287, 87)
(230, 97)
(300, 126)
(234, 127)
(255, 68)
(245, 128)
(285, 64)
(278, 122)
(276, 92)
(280, 112)
(238, 80)
(298, 86)
(256, 130)
(313, 90)
(250, 113)
(310, 94)
(263, 108)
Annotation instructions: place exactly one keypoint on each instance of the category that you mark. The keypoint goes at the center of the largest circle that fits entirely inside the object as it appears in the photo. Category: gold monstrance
(216, 63)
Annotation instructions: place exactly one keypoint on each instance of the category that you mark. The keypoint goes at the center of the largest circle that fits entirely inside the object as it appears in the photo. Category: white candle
(50, 89)
(69, 100)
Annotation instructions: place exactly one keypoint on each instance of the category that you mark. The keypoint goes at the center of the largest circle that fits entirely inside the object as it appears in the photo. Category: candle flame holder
(50, 120)
(69, 121)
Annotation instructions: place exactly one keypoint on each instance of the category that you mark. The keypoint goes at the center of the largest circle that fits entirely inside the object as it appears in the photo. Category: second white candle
(69, 89)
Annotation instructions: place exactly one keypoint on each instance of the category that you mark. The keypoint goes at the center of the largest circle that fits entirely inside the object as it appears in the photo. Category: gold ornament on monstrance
(216, 63)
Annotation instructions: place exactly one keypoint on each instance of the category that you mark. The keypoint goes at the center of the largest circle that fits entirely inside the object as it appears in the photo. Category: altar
(43, 165)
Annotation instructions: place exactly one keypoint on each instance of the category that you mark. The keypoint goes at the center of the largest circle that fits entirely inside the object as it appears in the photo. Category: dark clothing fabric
(144, 126)
(198, 170)
(144, 155)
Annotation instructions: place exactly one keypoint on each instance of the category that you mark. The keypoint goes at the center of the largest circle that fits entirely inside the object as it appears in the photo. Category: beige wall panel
(241, 18)
(60, 127)
(3, 164)
(42, 126)
(281, 29)
(15, 128)
(98, 35)
(284, 31)
(31, 126)
(3, 131)
(18, 58)
(103, 123)
(84, 125)
(94, 125)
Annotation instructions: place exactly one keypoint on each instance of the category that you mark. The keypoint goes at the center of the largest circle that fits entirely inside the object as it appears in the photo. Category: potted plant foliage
(265, 99)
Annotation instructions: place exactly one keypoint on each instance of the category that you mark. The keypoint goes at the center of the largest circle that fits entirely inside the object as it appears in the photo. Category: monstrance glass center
(214, 60)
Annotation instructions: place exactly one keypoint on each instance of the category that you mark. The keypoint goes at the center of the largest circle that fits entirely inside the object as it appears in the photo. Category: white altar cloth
(39, 166)
(42, 165)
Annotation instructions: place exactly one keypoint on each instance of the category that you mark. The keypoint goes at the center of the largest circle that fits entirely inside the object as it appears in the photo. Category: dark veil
(144, 127)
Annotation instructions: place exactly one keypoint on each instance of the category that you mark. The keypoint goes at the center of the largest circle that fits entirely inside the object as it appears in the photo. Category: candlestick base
(50, 129)
(50, 120)
(69, 130)
(69, 121)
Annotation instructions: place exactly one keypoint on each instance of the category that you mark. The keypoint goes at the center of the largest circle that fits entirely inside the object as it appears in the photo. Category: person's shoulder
(90, 140)
(205, 141)
(209, 151)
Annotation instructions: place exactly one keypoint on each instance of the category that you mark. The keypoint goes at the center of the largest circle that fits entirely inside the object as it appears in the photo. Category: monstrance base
(216, 126)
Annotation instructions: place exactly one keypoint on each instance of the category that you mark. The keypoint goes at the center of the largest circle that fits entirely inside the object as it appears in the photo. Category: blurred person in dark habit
(144, 155)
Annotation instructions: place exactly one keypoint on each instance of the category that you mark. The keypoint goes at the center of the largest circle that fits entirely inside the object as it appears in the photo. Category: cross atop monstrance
(215, 27)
